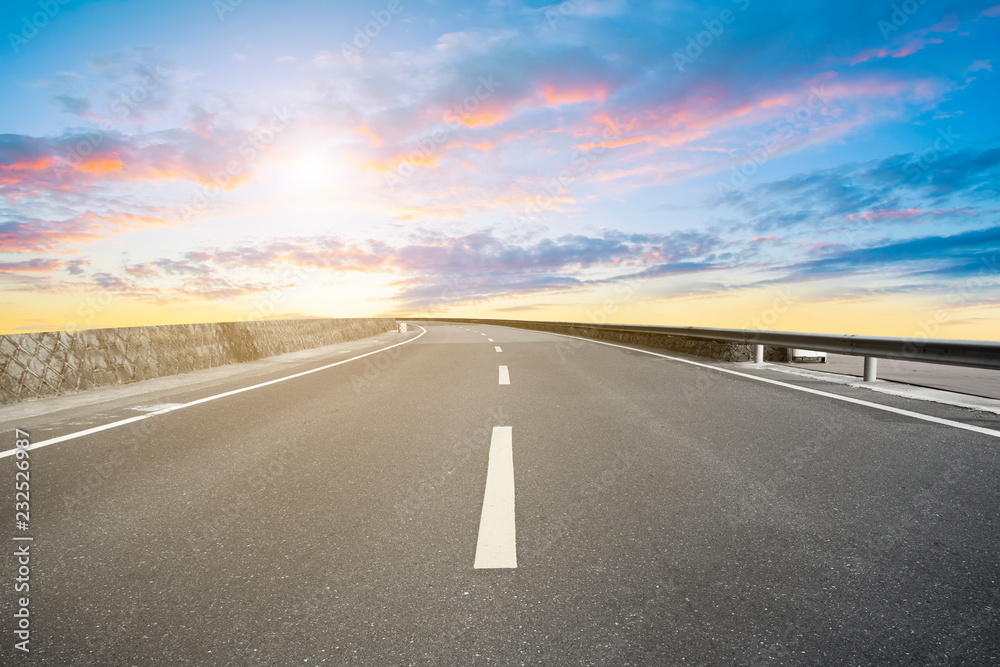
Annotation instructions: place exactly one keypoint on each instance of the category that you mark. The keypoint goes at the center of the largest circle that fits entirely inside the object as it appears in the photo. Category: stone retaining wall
(34, 365)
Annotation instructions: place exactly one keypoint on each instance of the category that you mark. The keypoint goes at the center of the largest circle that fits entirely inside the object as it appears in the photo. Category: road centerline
(496, 546)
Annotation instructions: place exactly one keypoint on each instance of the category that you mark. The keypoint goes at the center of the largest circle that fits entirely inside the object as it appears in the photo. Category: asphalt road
(665, 513)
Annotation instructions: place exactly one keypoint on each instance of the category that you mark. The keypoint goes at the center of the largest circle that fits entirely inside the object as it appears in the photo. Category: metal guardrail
(969, 353)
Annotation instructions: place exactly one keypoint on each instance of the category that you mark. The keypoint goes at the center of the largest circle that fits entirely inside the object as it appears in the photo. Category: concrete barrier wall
(711, 349)
(34, 365)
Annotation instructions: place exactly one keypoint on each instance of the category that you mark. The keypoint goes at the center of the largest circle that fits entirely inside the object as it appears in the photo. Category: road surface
(481, 495)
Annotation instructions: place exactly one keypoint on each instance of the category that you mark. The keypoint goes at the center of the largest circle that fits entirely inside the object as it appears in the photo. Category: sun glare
(303, 172)
(311, 167)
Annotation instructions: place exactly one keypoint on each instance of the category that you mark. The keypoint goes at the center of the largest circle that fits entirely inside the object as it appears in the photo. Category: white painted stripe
(155, 408)
(490, 339)
(837, 397)
(504, 375)
(497, 543)
(181, 406)
(497, 348)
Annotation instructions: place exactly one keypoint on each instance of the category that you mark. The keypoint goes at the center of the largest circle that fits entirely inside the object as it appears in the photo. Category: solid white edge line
(496, 545)
(130, 420)
(504, 375)
(846, 399)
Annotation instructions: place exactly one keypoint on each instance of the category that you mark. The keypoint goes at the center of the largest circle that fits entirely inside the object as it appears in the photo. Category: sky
(827, 167)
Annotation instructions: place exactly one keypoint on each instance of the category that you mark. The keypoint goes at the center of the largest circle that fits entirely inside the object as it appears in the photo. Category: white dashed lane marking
(497, 543)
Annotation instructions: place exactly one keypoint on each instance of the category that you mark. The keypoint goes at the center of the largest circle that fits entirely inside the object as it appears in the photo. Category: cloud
(466, 80)
(516, 309)
(872, 191)
(201, 121)
(506, 111)
(76, 266)
(907, 48)
(484, 253)
(111, 282)
(168, 267)
(220, 289)
(37, 265)
(77, 106)
(327, 59)
(911, 42)
(616, 92)
(80, 161)
(198, 288)
(956, 256)
(432, 272)
(44, 265)
(316, 252)
(138, 83)
(670, 269)
(22, 234)
(468, 268)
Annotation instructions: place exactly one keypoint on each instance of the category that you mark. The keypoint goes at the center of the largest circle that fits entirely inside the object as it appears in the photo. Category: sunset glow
(681, 163)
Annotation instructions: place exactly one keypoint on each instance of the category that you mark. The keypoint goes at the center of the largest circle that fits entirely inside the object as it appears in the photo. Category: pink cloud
(556, 95)
(907, 49)
(910, 43)
(45, 236)
(550, 92)
(888, 214)
(37, 265)
(949, 23)
(373, 140)
(201, 122)
(484, 118)
(59, 236)
(32, 167)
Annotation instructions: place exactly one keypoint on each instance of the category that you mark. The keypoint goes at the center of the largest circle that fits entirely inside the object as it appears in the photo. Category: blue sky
(826, 166)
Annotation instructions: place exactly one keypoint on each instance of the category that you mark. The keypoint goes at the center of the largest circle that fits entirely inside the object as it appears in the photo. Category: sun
(311, 167)
(306, 171)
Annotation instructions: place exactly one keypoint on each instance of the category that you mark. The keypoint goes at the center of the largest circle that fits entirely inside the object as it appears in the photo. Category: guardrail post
(871, 369)
(758, 354)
